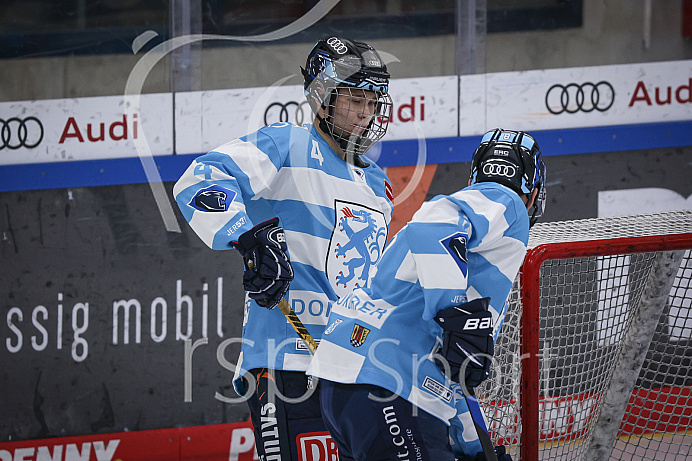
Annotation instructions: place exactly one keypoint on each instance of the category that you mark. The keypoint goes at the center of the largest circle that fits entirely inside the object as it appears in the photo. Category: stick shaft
(297, 325)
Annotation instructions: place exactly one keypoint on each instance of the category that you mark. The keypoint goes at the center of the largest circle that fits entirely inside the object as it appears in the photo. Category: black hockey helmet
(514, 159)
(336, 62)
(340, 62)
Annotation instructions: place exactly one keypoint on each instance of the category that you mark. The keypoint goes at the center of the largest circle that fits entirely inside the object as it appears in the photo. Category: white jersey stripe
(437, 211)
(252, 161)
(307, 249)
(407, 270)
(504, 256)
(296, 362)
(334, 369)
(492, 211)
(431, 404)
(441, 272)
(206, 225)
(308, 185)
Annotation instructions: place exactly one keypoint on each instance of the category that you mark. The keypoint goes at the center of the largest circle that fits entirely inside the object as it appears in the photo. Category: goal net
(594, 361)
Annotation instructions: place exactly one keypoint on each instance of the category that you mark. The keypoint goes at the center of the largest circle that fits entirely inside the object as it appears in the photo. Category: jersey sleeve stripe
(184, 190)
(438, 211)
(407, 269)
(503, 255)
(257, 165)
(210, 226)
(492, 211)
(442, 272)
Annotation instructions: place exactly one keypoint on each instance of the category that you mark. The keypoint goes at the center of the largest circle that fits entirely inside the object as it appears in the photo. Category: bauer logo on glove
(467, 341)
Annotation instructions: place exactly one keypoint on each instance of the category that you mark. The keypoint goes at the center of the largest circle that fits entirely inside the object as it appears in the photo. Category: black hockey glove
(268, 271)
(467, 342)
(499, 452)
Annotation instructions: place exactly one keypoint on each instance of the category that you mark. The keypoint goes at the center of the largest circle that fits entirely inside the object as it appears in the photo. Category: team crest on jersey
(456, 246)
(358, 239)
(359, 335)
(213, 198)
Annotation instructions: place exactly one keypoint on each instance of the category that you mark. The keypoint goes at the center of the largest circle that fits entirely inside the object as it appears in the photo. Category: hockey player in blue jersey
(310, 218)
(398, 357)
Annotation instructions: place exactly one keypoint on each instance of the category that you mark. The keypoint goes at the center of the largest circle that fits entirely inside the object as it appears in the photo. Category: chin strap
(533, 218)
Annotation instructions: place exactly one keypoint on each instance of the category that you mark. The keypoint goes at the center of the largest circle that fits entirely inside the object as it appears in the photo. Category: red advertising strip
(665, 409)
(568, 418)
(220, 442)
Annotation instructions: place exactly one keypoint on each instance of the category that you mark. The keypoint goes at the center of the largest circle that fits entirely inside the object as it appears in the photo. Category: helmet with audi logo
(511, 158)
(337, 65)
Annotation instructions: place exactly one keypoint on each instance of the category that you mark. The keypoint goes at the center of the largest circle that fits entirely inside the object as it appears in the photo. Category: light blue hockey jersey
(335, 216)
(385, 334)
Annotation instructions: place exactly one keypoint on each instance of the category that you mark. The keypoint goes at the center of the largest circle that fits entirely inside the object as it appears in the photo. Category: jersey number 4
(315, 153)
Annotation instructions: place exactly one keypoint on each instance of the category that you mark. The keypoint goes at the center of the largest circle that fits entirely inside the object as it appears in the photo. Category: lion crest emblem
(358, 239)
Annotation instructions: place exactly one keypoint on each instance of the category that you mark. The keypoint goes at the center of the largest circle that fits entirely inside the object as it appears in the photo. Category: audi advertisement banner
(63, 130)
(423, 108)
(577, 97)
(431, 107)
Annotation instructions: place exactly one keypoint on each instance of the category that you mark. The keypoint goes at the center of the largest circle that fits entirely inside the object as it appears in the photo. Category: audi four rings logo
(499, 169)
(17, 132)
(337, 45)
(291, 111)
(585, 97)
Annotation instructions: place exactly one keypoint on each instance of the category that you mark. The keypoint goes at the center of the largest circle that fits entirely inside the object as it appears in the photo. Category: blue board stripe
(552, 142)
(90, 173)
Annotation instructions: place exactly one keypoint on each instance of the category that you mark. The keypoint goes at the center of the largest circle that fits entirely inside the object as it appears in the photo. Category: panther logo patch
(213, 198)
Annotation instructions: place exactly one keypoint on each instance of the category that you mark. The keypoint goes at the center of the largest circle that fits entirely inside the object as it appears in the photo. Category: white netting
(671, 222)
(587, 307)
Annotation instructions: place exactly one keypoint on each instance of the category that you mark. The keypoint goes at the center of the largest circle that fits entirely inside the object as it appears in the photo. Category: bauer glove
(268, 271)
(467, 342)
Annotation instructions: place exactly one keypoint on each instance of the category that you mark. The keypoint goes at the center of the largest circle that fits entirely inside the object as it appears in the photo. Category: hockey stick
(483, 437)
(297, 325)
(295, 322)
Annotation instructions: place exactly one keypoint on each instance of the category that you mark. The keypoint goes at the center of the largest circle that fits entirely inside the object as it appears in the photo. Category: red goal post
(595, 357)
